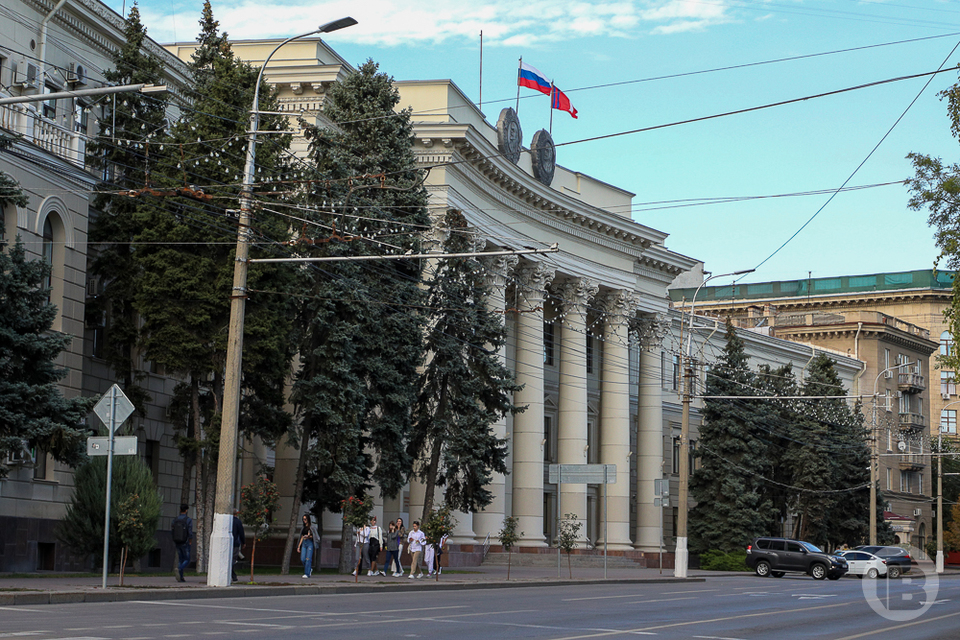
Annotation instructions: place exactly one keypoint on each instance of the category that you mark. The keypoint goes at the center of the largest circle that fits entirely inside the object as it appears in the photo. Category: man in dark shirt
(239, 539)
(183, 547)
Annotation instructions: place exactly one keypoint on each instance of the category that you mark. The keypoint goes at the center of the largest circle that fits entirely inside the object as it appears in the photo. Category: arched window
(47, 251)
(946, 344)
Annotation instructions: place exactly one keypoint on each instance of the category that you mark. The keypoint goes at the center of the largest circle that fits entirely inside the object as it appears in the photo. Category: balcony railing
(911, 382)
(911, 421)
(23, 119)
(913, 461)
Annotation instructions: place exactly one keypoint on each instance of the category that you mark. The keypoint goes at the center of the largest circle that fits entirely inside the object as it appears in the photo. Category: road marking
(19, 609)
(17, 634)
(632, 595)
(902, 626)
(670, 593)
(697, 622)
(256, 624)
(662, 600)
(717, 638)
(814, 596)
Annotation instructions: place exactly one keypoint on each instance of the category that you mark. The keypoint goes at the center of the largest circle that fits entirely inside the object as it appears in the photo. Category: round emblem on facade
(509, 135)
(544, 156)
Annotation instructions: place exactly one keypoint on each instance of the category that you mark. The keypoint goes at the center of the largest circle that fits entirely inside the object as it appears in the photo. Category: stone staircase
(548, 558)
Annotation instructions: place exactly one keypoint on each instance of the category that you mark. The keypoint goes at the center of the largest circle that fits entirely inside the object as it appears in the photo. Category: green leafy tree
(731, 506)
(185, 264)
(82, 526)
(438, 524)
(464, 387)
(567, 536)
(508, 537)
(33, 412)
(125, 150)
(136, 539)
(258, 502)
(359, 329)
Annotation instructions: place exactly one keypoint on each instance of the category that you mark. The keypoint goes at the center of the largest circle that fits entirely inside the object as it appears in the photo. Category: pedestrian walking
(416, 539)
(182, 532)
(393, 549)
(309, 541)
(239, 539)
(374, 543)
(402, 537)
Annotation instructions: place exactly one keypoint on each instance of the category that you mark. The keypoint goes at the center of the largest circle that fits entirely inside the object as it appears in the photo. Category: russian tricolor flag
(531, 78)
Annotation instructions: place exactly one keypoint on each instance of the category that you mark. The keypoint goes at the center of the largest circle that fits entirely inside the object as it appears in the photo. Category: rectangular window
(151, 457)
(919, 483)
(39, 464)
(887, 402)
(548, 440)
(548, 343)
(589, 353)
(675, 373)
(948, 383)
(905, 482)
(889, 479)
(676, 456)
(49, 109)
(948, 421)
(904, 402)
(886, 363)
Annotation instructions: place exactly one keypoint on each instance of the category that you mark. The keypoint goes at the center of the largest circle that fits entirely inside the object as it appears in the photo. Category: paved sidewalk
(35, 590)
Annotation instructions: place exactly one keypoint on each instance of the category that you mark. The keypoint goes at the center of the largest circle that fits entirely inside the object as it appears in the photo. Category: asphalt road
(727, 607)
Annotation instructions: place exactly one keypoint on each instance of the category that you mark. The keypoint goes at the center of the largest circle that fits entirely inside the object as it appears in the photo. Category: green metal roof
(923, 279)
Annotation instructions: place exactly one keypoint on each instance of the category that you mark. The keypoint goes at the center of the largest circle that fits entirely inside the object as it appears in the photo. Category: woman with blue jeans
(309, 539)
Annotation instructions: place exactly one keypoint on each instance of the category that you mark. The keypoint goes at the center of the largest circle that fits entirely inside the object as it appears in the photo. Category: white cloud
(390, 23)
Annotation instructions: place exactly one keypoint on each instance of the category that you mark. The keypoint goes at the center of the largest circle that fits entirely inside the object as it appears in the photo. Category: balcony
(911, 421)
(911, 383)
(23, 120)
(913, 462)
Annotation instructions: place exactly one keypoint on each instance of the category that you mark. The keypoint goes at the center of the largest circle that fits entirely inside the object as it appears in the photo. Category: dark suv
(776, 556)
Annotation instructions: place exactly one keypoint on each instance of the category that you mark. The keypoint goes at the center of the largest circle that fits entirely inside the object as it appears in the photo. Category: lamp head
(342, 23)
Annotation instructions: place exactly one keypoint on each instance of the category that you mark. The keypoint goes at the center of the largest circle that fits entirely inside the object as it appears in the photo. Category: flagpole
(481, 70)
(519, 66)
(552, 89)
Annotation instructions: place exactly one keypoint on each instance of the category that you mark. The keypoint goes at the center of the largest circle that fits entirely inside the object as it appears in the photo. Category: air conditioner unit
(76, 74)
(945, 396)
(916, 512)
(888, 374)
(26, 75)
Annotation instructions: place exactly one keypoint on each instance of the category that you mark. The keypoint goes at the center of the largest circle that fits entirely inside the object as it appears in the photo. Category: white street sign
(122, 446)
(116, 403)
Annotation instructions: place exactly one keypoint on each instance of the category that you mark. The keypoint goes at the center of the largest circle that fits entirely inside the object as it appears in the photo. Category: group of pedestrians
(372, 538)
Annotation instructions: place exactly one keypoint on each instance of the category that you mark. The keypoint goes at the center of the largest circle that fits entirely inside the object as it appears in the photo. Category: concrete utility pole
(221, 539)
(681, 554)
(101, 91)
(875, 455)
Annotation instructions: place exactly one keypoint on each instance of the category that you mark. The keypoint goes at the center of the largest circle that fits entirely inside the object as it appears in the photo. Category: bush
(715, 560)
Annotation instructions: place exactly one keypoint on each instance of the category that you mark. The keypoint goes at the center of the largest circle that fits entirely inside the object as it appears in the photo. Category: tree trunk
(199, 474)
(509, 559)
(297, 492)
(347, 563)
(569, 566)
(430, 482)
(253, 555)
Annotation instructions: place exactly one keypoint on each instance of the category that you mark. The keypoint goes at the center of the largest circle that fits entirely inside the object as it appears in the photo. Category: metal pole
(660, 549)
(221, 538)
(940, 503)
(606, 532)
(142, 88)
(111, 427)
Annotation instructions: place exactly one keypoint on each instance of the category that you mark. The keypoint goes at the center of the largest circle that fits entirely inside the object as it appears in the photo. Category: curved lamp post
(681, 555)
(221, 539)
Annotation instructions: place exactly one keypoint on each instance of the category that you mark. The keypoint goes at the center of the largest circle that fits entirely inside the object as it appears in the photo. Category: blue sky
(809, 146)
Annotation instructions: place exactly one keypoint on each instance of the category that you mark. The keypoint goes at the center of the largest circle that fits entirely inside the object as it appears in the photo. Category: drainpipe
(42, 54)
(856, 354)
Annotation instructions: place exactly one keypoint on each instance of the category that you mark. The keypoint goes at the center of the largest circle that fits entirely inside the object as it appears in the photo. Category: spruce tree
(33, 412)
(359, 326)
(780, 432)
(731, 507)
(185, 262)
(82, 526)
(125, 151)
(464, 387)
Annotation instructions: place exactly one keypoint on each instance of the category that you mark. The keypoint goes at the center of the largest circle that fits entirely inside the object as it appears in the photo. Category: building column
(489, 521)
(615, 413)
(649, 450)
(572, 396)
(528, 426)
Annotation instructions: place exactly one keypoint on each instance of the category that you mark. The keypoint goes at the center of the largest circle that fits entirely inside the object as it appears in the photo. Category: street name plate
(582, 473)
(113, 397)
(122, 446)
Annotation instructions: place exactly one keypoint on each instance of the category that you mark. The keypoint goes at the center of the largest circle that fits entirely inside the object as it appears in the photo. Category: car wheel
(777, 574)
(763, 569)
(893, 572)
(872, 574)
(818, 571)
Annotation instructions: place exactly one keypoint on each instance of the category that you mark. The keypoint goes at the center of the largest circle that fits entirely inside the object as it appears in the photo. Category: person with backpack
(182, 533)
(239, 539)
(374, 542)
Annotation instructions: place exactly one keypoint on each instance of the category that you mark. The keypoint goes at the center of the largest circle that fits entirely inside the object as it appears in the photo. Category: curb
(130, 595)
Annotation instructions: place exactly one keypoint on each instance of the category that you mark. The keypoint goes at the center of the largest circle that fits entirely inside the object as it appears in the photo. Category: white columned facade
(649, 451)
(490, 519)
(615, 413)
(575, 293)
(528, 425)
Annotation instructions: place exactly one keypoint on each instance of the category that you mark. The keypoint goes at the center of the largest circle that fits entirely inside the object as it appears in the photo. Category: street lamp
(875, 456)
(681, 556)
(221, 539)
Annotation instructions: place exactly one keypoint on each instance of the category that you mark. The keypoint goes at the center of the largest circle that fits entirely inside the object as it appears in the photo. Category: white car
(861, 563)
